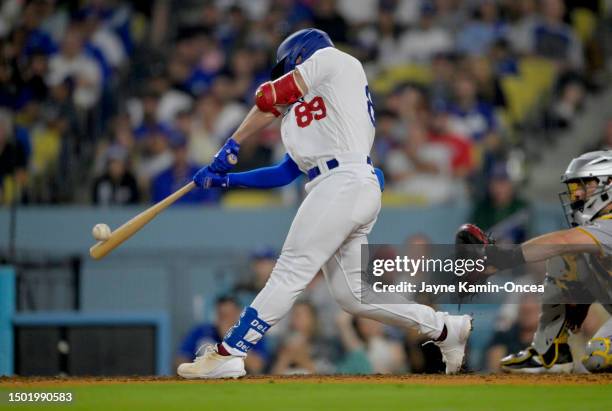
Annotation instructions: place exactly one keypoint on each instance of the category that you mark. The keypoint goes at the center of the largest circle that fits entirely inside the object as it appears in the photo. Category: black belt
(331, 164)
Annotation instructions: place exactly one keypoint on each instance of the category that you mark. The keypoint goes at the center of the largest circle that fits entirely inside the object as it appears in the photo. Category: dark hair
(227, 299)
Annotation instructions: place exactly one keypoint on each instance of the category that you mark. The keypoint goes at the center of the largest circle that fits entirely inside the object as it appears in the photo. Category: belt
(331, 164)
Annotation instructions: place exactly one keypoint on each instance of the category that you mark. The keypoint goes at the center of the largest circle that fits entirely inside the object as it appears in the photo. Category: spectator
(606, 140)
(468, 115)
(423, 168)
(502, 212)
(154, 156)
(179, 174)
(487, 84)
(517, 337)
(29, 36)
(566, 106)
(317, 293)
(450, 14)
(521, 29)
(422, 43)
(48, 145)
(554, 39)
(386, 137)
(443, 68)
(461, 149)
(381, 41)
(117, 186)
(73, 63)
(199, 144)
(303, 351)
(12, 160)
(327, 18)
(242, 74)
(502, 59)
(367, 349)
(361, 15)
(262, 263)
(226, 314)
(482, 31)
(421, 357)
(218, 113)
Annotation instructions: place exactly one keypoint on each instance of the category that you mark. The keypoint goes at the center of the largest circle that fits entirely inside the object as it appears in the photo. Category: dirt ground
(430, 379)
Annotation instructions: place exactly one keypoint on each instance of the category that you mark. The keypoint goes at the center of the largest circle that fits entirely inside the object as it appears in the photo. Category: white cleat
(458, 329)
(212, 365)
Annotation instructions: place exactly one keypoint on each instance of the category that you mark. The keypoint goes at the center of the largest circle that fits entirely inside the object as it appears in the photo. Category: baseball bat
(129, 228)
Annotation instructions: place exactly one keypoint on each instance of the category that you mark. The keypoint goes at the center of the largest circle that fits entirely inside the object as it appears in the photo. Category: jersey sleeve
(320, 67)
(601, 231)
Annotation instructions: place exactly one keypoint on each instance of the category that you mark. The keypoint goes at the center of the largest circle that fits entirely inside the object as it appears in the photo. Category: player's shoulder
(602, 224)
(334, 54)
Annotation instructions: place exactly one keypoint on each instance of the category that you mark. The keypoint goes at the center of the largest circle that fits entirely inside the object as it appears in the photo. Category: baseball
(101, 232)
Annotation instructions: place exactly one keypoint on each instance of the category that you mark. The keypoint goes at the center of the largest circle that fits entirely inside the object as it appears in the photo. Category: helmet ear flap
(278, 70)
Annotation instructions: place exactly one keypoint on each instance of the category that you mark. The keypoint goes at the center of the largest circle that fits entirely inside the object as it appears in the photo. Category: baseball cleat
(212, 365)
(458, 328)
(529, 361)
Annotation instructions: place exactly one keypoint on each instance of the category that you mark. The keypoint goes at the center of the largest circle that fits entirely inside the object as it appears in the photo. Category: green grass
(269, 396)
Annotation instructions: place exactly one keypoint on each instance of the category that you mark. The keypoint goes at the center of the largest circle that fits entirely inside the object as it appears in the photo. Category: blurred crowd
(113, 102)
(317, 337)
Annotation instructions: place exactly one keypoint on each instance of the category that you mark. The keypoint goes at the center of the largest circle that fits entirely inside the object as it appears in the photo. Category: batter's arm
(257, 119)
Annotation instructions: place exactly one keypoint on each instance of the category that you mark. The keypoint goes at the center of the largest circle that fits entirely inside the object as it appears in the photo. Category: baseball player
(327, 128)
(579, 270)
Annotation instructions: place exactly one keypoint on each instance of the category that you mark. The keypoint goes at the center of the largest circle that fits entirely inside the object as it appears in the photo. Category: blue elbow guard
(381, 178)
(248, 330)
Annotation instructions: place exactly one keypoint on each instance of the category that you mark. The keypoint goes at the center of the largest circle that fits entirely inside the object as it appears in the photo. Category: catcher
(579, 269)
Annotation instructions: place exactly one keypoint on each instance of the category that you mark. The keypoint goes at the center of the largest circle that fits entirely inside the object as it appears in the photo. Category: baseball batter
(327, 128)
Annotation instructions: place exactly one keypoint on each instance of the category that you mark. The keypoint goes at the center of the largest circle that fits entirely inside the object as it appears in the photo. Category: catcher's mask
(589, 187)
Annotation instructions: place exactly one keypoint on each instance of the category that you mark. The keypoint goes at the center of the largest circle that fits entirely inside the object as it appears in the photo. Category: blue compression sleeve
(268, 177)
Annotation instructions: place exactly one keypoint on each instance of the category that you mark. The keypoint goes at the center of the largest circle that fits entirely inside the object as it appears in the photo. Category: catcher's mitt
(470, 243)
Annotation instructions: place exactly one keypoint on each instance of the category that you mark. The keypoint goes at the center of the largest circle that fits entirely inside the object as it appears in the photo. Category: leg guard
(552, 326)
(598, 351)
(598, 356)
(246, 333)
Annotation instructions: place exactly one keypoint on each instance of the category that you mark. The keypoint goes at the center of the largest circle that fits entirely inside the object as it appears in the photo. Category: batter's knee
(348, 300)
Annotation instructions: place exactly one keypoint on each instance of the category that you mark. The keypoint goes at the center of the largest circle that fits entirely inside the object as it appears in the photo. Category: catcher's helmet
(595, 165)
(302, 43)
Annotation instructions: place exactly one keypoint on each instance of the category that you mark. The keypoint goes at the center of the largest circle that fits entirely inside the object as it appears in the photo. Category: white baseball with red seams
(101, 232)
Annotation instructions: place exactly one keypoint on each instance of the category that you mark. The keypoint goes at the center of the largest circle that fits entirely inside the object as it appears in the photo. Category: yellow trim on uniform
(605, 217)
(601, 250)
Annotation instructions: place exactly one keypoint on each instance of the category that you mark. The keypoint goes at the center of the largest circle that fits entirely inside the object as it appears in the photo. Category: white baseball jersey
(336, 115)
(335, 119)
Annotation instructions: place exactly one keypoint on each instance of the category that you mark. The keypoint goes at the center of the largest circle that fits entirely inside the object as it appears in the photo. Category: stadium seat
(394, 76)
(584, 22)
(251, 199)
(518, 98)
(395, 199)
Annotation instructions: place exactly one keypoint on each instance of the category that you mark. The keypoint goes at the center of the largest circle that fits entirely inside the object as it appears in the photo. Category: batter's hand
(206, 178)
(226, 157)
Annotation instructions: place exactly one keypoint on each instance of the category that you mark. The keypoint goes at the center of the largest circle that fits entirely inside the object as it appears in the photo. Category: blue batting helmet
(302, 43)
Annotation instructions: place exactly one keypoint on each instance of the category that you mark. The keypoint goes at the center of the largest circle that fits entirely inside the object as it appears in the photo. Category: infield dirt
(428, 379)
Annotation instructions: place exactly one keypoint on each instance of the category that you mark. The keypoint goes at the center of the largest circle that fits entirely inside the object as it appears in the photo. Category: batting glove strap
(226, 157)
(205, 178)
